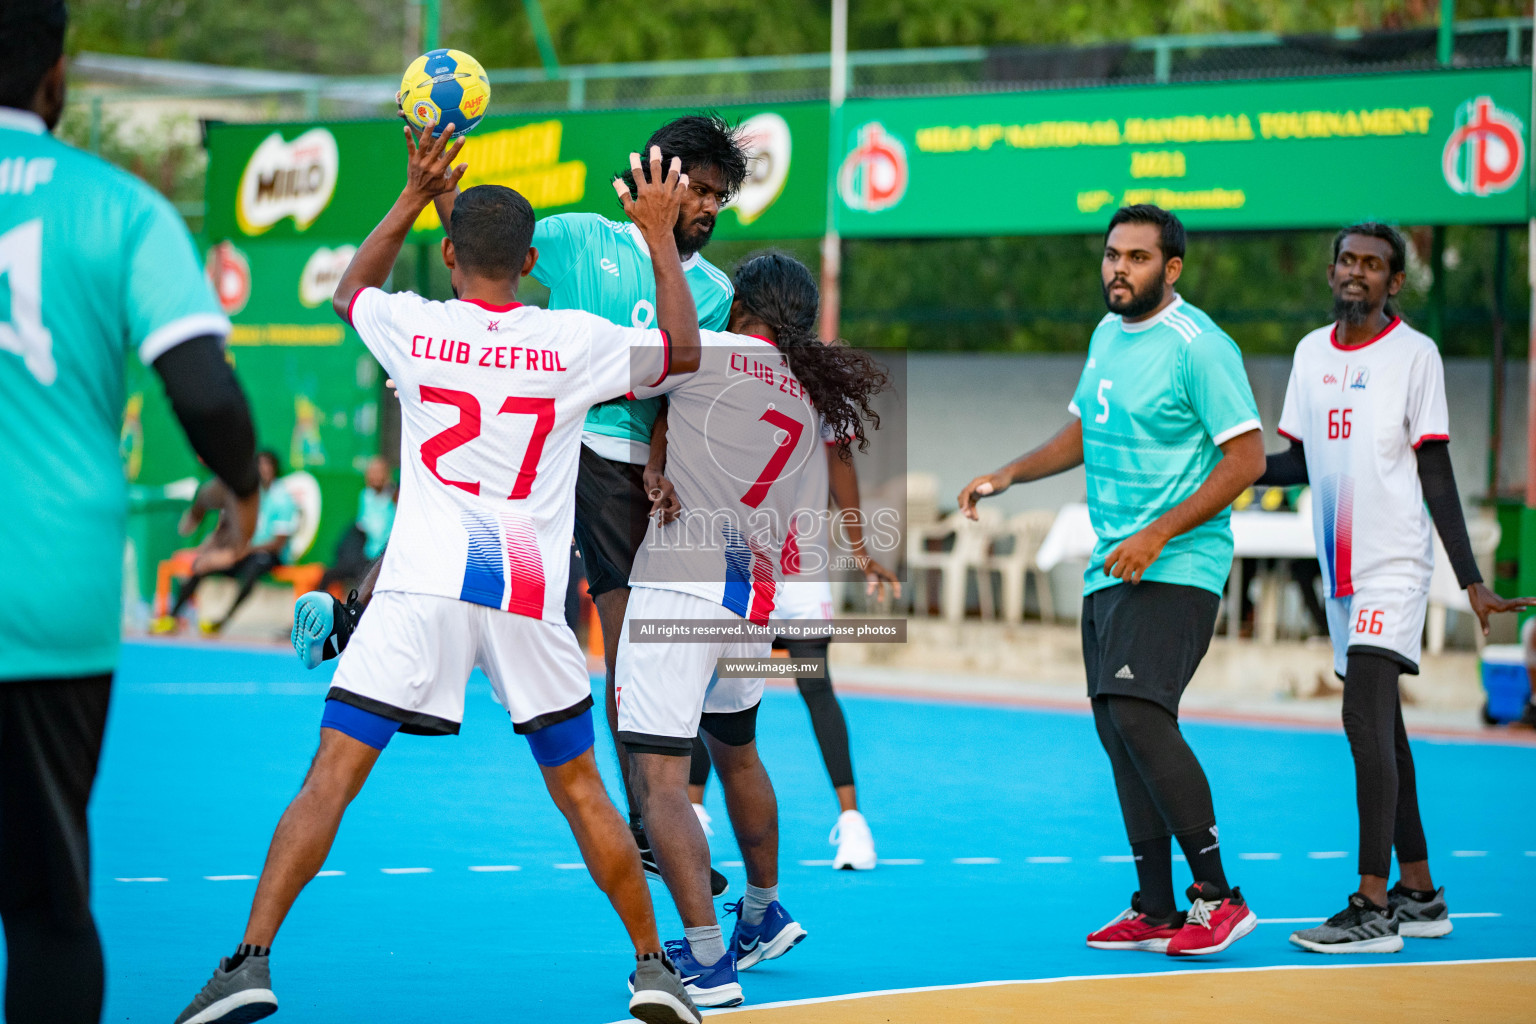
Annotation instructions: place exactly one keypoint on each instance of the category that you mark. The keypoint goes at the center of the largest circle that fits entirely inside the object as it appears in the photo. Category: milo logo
(287, 179)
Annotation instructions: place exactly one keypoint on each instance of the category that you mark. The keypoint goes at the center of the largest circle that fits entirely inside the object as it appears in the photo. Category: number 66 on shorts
(1385, 618)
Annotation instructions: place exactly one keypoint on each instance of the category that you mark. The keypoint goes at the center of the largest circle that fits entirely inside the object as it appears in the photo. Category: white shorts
(412, 655)
(663, 688)
(803, 599)
(1381, 617)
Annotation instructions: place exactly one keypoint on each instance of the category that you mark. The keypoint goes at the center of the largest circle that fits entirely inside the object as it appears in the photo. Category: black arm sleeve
(1286, 469)
(211, 406)
(1439, 483)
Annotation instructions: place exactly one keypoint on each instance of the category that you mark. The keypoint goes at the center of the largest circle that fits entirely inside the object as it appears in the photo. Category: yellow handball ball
(444, 87)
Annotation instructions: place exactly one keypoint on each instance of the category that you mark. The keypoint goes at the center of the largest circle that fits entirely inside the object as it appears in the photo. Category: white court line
(1328, 854)
(1292, 920)
(1258, 856)
(406, 871)
(1482, 913)
(152, 879)
(230, 878)
(494, 867)
(1469, 853)
(818, 863)
(1530, 853)
(329, 874)
(571, 867)
(895, 860)
(1110, 977)
(1117, 858)
(732, 864)
(1048, 860)
(977, 860)
(1180, 858)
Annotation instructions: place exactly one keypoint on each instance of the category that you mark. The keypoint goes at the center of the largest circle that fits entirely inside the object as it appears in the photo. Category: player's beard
(693, 238)
(1351, 311)
(1140, 303)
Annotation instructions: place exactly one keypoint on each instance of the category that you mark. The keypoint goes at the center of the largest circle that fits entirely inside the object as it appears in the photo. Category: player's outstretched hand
(1134, 555)
(657, 200)
(878, 579)
(664, 504)
(981, 487)
(429, 168)
(1485, 603)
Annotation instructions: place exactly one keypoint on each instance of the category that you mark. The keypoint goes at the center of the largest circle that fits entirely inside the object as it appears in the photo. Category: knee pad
(733, 728)
(363, 726)
(556, 744)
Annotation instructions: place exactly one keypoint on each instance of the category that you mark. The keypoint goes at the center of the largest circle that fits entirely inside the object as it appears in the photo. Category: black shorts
(1146, 639)
(612, 513)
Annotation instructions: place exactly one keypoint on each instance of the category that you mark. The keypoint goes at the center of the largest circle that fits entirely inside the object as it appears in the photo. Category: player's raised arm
(429, 173)
(653, 209)
(1059, 454)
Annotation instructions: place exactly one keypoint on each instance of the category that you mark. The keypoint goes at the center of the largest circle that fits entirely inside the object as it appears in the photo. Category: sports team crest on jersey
(502, 568)
(1358, 378)
(749, 581)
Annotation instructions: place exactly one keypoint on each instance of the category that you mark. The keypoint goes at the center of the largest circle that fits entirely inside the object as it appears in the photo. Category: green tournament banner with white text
(332, 182)
(1440, 147)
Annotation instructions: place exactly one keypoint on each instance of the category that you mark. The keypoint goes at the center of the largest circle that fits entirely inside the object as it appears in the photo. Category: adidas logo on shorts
(1125, 673)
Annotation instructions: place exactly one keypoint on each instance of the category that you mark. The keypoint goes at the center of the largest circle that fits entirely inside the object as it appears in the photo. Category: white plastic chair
(965, 555)
(1016, 565)
(305, 491)
(1445, 595)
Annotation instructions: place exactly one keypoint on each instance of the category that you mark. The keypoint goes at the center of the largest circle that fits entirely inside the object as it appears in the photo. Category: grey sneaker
(660, 997)
(1416, 920)
(1361, 927)
(236, 996)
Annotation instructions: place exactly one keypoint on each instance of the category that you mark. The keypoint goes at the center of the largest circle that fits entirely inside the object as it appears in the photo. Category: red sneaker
(1214, 922)
(1135, 930)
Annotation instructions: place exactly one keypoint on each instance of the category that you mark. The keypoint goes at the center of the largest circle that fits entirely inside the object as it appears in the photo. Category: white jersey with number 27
(492, 400)
(1360, 413)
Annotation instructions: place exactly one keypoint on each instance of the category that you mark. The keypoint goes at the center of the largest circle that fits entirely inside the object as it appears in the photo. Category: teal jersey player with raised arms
(95, 268)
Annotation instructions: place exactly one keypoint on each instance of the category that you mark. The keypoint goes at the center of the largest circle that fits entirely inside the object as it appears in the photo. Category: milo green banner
(1446, 147)
(332, 182)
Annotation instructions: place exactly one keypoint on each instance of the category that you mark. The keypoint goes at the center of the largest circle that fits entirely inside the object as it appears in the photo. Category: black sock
(1419, 895)
(244, 950)
(1202, 849)
(1154, 874)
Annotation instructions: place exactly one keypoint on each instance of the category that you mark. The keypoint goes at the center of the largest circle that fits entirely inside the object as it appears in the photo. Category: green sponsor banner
(1444, 147)
(332, 182)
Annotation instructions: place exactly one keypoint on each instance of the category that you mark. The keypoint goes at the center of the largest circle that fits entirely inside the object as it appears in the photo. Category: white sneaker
(855, 845)
(704, 819)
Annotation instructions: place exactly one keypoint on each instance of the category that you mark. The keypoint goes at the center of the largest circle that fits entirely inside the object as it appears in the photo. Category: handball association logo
(1486, 151)
(874, 175)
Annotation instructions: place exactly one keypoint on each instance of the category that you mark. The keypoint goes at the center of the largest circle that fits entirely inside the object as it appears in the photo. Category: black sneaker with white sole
(1417, 917)
(1361, 927)
(719, 885)
(238, 993)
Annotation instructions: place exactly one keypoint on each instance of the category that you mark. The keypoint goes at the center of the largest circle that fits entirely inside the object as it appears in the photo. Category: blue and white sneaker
(714, 985)
(772, 938)
(322, 626)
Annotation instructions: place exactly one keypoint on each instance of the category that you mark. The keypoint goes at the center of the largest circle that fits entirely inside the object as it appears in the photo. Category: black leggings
(50, 742)
(247, 572)
(1386, 790)
(827, 720)
(1162, 788)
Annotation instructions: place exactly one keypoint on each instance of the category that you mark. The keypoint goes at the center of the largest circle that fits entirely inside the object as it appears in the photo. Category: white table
(1254, 535)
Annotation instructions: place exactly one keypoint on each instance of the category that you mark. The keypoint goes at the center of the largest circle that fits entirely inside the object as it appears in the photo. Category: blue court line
(206, 746)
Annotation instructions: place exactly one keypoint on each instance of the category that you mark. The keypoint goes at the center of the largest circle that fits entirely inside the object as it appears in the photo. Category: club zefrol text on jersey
(744, 364)
(501, 357)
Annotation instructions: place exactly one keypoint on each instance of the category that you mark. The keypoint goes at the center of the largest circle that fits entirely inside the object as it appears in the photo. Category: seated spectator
(276, 522)
(365, 539)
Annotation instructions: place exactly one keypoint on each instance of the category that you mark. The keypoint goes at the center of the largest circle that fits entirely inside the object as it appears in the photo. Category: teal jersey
(591, 263)
(94, 267)
(375, 517)
(276, 516)
(1156, 399)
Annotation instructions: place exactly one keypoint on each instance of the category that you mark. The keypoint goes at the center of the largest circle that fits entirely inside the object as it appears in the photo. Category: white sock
(707, 944)
(755, 904)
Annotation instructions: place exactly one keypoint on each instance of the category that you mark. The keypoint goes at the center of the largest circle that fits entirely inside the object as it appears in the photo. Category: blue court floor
(454, 891)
